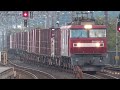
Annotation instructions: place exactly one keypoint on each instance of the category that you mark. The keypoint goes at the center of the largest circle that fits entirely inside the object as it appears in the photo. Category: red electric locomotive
(86, 43)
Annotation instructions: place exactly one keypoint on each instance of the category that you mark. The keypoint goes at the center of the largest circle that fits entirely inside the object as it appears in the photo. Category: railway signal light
(118, 26)
(25, 22)
(25, 13)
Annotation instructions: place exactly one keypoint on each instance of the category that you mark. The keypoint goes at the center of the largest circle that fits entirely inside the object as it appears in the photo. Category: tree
(111, 37)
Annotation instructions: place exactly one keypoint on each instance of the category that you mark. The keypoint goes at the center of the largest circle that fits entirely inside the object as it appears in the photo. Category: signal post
(117, 30)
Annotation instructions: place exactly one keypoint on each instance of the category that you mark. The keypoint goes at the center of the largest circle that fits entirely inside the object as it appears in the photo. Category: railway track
(100, 75)
(111, 72)
(108, 72)
(54, 71)
(23, 74)
(86, 76)
(50, 72)
(106, 75)
(35, 74)
(89, 76)
(20, 73)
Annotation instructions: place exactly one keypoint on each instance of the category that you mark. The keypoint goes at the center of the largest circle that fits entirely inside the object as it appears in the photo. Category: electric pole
(106, 18)
(53, 16)
(2, 40)
(57, 18)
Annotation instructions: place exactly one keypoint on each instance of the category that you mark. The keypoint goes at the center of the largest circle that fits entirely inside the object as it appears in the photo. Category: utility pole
(2, 40)
(72, 15)
(57, 18)
(53, 19)
(106, 21)
(117, 57)
(106, 18)
(48, 21)
(45, 21)
(15, 21)
(1, 44)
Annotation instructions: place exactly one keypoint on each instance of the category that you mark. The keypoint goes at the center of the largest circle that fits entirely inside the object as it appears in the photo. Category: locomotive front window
(97, 33)
(78, 33)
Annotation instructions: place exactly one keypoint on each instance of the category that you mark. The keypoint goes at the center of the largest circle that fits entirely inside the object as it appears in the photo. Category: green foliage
(111, 32)
(111, 35)
(99, 20)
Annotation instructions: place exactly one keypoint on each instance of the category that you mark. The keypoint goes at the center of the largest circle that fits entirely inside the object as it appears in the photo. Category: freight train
(82, 43)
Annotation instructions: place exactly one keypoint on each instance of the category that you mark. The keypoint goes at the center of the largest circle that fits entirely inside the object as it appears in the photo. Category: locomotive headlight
(97, 44)
(78, 44)
(88, 26)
